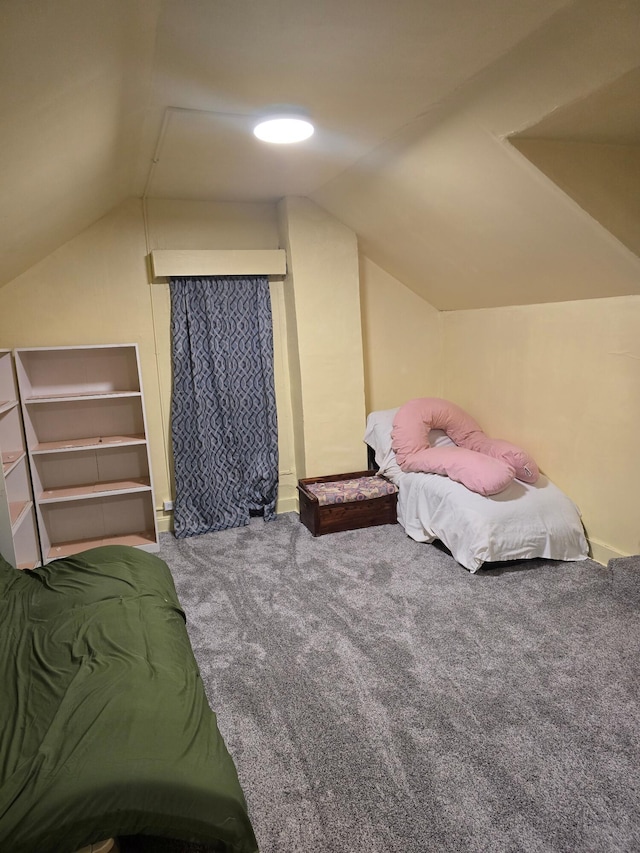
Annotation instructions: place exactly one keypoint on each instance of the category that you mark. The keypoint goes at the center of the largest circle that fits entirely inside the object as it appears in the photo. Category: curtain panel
(223, 408)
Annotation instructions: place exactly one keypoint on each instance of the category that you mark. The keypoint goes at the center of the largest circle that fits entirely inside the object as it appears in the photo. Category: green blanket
(105, 728)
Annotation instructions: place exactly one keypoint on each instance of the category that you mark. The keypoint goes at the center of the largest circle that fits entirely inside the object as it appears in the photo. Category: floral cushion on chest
(347, 491)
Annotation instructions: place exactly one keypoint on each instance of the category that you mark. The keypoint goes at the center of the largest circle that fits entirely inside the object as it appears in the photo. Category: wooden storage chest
(345, 513)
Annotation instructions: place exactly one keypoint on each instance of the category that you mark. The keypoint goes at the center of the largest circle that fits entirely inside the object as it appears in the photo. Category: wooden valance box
(362, 504)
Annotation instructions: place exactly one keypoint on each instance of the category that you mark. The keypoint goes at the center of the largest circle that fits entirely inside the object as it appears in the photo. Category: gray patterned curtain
(223, 408)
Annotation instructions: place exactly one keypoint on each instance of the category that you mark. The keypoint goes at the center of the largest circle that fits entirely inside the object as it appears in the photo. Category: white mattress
(522, 522)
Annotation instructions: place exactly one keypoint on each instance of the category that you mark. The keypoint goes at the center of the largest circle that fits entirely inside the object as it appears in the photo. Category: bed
(521, 522)
(105, 728)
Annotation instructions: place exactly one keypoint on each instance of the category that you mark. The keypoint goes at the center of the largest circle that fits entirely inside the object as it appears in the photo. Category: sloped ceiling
(413, 103)
(74, 85)
(591, 149)
(455, 212)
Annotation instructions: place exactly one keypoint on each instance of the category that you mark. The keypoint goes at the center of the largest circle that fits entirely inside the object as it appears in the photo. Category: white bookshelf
(18, 535)
(86, 437)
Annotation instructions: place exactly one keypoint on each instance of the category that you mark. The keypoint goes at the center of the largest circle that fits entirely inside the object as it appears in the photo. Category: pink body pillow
(482, 464)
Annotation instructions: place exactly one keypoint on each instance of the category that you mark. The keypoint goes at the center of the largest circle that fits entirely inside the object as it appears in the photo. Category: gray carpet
(377, 698)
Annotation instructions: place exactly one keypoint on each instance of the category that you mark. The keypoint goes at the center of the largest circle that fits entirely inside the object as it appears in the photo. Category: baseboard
(164, 520)
(289, 504)
(602, 553)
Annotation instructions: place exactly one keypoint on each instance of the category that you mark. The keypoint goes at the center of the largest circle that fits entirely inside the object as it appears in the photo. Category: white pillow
(378, 437)
(439, 438)
(378, 432)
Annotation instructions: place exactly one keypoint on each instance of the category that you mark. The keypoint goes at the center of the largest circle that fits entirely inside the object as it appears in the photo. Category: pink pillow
(524, 465)
(480, 463)
(479, 473)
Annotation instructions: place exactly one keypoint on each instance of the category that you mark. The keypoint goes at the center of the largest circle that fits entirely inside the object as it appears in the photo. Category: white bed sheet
(522, 522)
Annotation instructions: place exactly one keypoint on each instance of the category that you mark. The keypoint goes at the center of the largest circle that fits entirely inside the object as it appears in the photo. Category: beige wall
(175, 224)
(325, 334)
(402, 337)
(95, 289)
(563, 380)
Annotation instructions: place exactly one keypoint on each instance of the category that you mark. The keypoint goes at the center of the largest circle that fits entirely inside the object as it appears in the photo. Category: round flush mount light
(284, 128)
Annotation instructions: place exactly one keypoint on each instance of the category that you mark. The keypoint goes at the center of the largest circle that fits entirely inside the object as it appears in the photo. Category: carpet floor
(378, 698)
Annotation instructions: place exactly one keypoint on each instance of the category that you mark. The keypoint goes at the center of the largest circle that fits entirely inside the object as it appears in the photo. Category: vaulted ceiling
(414, 102)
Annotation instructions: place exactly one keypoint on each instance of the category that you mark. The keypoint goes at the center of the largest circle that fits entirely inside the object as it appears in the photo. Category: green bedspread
(105, 728)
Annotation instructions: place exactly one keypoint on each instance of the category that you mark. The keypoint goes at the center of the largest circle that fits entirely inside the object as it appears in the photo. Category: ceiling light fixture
(283, 127)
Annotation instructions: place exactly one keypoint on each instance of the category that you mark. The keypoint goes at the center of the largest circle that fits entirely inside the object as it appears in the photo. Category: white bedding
(521, 522)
